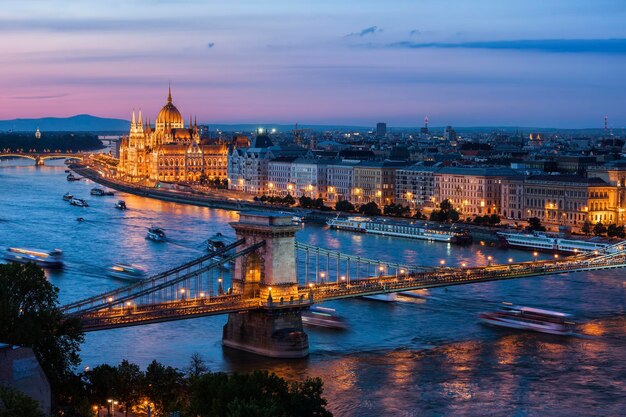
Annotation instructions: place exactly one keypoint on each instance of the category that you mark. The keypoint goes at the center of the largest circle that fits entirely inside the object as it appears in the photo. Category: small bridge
(275, 278)
(40, 157)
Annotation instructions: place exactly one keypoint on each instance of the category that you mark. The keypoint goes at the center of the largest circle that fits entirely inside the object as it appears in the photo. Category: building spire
(169, 93)
(140, 118)
(133, 122)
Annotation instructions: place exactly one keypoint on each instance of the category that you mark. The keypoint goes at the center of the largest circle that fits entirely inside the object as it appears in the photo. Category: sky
(543, 63)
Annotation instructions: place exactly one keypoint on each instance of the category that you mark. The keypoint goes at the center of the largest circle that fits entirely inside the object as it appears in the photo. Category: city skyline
(533, 64)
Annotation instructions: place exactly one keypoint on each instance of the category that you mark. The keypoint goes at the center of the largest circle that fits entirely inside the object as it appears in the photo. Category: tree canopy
(31, 317)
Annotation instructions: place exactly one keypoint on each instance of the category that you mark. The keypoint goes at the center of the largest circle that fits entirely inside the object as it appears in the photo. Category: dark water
(415, 358)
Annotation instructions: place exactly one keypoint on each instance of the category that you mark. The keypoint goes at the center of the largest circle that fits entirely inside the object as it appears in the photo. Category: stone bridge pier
(39, 161)
(269, 274)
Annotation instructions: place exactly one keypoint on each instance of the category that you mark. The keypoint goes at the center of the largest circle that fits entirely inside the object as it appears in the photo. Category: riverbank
(480, 234)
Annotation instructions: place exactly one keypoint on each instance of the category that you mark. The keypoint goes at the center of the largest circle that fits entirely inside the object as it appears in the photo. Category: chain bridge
(274, 278)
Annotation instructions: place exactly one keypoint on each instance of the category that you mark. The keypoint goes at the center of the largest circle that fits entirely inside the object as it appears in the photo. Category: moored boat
(405, 229)
(127, 272)
(97, 191)
(71, 177)
(78, 202)
(530, 318)
(67, 196)
(323, 317)
(43, 258)
(156, 234)
(545, 242)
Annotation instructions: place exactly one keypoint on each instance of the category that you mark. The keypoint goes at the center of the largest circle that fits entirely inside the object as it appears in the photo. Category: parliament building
(169, 151)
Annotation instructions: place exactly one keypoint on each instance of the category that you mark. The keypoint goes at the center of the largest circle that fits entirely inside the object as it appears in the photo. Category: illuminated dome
(169, 115)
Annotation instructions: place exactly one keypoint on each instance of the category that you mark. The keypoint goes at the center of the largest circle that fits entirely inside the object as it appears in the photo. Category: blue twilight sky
(467, 63)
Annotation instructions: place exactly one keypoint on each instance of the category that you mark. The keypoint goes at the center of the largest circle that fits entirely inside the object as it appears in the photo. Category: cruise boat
(67, 196)
(541, 241)
(323, 317)
(43, 258)
(127, 272)
(78, 202)
(71, 177)
(121, 205)
(413, 230)
(156, 234)
(529, 318)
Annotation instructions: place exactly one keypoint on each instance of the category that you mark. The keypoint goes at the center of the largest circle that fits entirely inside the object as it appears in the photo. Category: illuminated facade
(170, 151)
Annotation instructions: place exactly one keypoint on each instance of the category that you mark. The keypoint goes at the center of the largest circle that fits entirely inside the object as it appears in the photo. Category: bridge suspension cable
(160, 281)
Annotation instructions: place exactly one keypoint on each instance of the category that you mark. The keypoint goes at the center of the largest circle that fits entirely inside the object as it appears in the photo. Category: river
(420, 357)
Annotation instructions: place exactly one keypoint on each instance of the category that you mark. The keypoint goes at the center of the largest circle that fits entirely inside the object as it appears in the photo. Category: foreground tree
(30, 316)
(257, 394)
(13, 403)
(166, 387)
(587, 227)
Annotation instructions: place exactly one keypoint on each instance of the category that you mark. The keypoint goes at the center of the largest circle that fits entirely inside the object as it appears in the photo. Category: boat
(413, 230)
(67, 196)
(80, 219)
(530, 318)
(71, 177)
(121, 205)
(389, 297)
(78, 202)
(545, 242)
(100, 192)
(218, 242)
(156, 234)
(127, 272)
(43, 258)
(323, 317)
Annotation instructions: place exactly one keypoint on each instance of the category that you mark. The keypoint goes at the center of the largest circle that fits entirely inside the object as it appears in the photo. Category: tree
(534, 225)
(100, 382)
(445, 213)
(30, 316)
(599, 229)
(128, 384)
(197, 367)
(289, 200)
(369, 209)
(611, 230)
(396, 210)
(257, 394)
(13, 403)
(344, 205)
(166, 388)
(305, 202)
(418, 215)
(494, 219)
(586, 229)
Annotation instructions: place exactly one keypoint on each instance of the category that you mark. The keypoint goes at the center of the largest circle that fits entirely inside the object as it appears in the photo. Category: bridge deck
(114, 317)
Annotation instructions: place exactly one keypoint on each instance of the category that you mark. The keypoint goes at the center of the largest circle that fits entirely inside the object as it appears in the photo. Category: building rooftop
(572, 179)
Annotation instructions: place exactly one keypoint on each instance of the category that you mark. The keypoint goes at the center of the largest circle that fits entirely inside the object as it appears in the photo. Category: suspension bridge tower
(269, 274)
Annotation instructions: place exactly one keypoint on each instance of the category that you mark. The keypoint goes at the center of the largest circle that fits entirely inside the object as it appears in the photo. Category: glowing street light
(442, 262)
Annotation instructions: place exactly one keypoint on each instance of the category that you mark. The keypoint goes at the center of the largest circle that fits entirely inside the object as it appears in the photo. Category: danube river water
(421, 357)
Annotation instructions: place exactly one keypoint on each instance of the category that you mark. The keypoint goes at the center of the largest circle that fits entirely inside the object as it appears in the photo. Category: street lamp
(322, 275)
(442, 262)
(343, 279)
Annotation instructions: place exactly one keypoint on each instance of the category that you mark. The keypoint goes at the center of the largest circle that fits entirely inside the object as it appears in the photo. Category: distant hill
(88, 123)
(78, 123)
